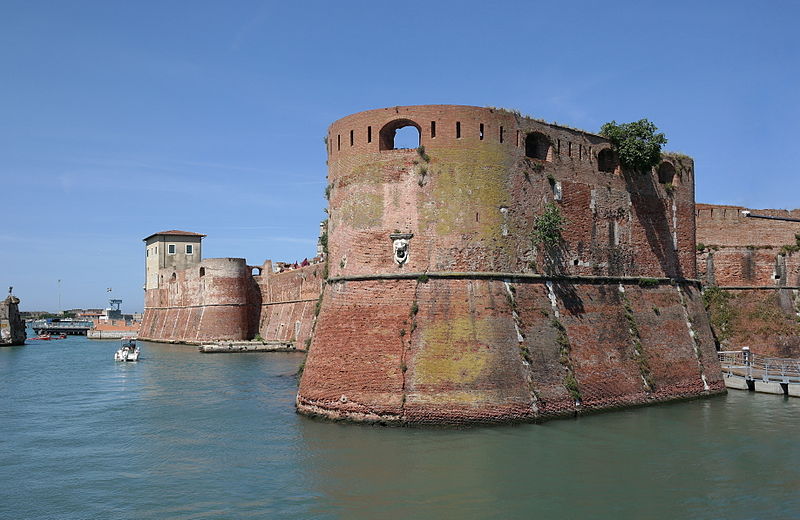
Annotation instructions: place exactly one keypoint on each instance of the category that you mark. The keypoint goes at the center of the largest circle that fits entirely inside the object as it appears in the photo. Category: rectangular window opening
(481, 131)
(171, 249)
(558, 147)
(569, 148)
(458, 129)
(189, 249)
(338, 142)
(369, 134)
(501, 134)
(433, 129)
(351, 138)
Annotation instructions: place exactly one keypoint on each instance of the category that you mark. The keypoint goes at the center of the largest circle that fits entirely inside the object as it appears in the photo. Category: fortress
(504, 270)
(445, 305)
(190, 300)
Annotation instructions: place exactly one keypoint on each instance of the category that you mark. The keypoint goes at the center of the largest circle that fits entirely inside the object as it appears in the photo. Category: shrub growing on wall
(638, 144)
(548, 226)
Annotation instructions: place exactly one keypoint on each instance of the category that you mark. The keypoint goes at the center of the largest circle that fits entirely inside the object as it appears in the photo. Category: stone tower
(506, 270)
(175, 249)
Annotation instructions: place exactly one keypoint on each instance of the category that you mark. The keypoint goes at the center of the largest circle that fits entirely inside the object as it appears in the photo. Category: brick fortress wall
(480, 323)
(221, 299)
(753, 266)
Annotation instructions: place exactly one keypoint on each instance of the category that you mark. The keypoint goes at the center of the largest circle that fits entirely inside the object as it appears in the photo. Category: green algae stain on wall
(364, 211)
(452, 352)
(474, 181)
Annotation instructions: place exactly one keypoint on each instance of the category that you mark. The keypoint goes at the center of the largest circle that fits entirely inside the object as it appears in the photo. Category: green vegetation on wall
(638, 144)
(548, 226)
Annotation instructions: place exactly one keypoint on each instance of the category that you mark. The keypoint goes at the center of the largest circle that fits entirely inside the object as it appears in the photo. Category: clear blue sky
(120, 119)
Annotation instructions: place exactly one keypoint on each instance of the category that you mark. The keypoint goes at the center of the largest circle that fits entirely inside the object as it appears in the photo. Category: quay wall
(484, 320)
(751, 267)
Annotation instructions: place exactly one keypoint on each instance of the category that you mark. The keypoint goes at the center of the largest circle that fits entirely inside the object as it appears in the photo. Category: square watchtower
(173, 248)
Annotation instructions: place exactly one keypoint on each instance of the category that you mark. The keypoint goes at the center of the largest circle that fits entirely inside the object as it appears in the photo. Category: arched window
(173, 278)
(607, 160)
(537, 145)
(202, 271)
(666, 173)
(256, 271)
(400, 134)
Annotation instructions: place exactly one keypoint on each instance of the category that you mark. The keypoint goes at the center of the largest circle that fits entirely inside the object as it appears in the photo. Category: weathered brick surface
(220, 299)
(480, 350)
(740, 252)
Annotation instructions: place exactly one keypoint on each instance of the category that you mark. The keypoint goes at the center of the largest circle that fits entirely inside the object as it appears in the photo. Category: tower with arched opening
(504, 270)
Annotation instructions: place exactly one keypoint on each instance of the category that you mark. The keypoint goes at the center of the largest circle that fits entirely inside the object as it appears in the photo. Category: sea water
(185, 435)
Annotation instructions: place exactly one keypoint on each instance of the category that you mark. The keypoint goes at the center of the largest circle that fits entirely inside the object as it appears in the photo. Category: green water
(187, 435)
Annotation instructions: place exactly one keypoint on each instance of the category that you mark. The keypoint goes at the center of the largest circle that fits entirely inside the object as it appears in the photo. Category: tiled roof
(175, 232)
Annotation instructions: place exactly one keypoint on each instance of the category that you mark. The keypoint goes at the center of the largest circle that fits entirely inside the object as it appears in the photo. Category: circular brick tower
(449, 299)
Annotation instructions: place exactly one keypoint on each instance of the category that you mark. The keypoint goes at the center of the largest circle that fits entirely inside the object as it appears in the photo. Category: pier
(246, 346)
(743, 370)
(55, 326)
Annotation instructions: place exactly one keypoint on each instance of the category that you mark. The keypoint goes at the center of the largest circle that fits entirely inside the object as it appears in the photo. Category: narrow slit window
(480, 130)
(351, 138)
(369, 134)
(569, 148)
(338, 142)
(558, 146)
(458, 129)
(501, 134)
(517, 138)
(433, 129)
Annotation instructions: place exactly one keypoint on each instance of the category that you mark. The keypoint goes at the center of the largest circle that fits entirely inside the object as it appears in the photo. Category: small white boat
(128, 352)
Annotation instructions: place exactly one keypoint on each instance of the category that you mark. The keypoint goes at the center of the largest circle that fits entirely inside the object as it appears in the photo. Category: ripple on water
(185, 435)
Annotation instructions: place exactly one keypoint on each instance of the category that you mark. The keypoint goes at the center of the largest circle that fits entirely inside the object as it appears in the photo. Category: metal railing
(745, 364)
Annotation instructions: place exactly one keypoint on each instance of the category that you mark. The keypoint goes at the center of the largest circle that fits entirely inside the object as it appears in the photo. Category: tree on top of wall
(638, 144)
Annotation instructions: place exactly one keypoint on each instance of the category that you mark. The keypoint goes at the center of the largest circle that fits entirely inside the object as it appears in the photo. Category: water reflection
(187, 435)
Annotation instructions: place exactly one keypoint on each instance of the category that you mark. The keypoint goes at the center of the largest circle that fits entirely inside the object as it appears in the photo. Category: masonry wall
(220, 299)
(211, 301)
(753, 268)
(12, 326)
(467, 329)
(289, 300)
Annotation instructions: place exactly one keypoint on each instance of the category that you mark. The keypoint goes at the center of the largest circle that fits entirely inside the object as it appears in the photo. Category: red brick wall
(735, 251)
(472, 207)
(229, 303)
(619, 223)
(193, 308)
(460, 359)
(288, 302)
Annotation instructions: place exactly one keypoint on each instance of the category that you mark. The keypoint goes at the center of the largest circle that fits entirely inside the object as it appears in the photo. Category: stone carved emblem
(400, 245)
